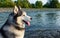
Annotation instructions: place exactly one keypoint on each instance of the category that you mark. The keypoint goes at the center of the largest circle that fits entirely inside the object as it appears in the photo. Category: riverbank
(30, 9)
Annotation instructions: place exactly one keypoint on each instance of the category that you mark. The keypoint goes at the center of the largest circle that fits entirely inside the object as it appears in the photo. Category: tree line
(27, 4)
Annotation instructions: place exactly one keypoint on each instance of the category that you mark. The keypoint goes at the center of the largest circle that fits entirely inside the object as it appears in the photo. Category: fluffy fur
(15, 24)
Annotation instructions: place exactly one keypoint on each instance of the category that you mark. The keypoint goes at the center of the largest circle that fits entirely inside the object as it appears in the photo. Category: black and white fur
(15, 24)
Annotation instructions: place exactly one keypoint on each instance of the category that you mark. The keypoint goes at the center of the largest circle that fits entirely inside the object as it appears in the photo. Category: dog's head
(21, 16)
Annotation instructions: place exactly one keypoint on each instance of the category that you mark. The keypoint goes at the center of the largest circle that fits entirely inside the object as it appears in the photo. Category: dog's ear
(15, 9)
(20, 7)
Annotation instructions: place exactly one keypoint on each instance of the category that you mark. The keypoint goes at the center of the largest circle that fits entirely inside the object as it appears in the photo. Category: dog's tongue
(28, 23)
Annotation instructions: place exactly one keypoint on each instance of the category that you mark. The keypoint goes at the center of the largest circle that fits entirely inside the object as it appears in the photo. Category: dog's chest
(18, 33)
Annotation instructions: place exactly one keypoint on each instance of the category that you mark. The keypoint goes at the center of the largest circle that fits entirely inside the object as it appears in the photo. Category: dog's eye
(23, 15)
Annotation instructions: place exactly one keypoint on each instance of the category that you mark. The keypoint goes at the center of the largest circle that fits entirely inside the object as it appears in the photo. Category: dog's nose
(31, 18)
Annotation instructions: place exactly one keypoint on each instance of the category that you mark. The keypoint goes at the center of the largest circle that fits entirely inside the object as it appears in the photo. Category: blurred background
(45, 14)
(31, 3)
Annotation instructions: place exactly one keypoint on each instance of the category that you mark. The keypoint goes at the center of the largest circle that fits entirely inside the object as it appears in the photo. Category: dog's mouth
(27, 22)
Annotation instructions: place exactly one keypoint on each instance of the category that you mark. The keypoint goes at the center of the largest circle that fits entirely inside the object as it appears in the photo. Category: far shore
(30, 9)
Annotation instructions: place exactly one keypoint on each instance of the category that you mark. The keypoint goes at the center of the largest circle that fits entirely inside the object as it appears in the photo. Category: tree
(23, 3)
(26, 3)
(58, 5)
(53, 4)
(32, 5)
(7, 3)
(46, 5)
(38, 4)
(19, 2)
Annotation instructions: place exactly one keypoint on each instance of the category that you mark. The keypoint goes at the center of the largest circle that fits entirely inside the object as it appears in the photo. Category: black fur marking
(15, 19)
(18, 28)
(3, 33)
(19, 13)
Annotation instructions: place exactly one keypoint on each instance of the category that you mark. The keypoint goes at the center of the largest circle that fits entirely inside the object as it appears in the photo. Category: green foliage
(52, 4)
(58, 5)
(23, 3)
(19, 2)
(38, 4)
(27, 4)
(32, 6)
(46, 5)
(6, 3)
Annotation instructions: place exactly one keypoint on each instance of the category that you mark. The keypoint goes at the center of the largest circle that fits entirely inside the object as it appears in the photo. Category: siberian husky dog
(15, 24)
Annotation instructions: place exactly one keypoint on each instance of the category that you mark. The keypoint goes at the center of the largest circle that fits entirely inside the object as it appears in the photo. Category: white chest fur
(18, 33)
